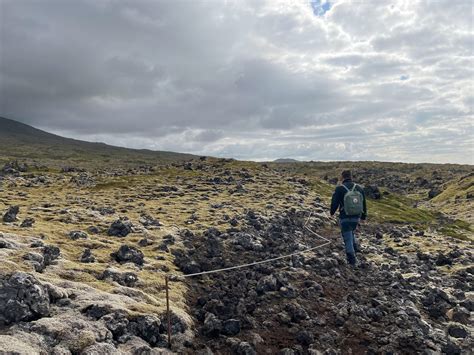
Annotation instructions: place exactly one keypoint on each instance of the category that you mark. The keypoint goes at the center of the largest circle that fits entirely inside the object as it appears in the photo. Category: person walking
(349, 199)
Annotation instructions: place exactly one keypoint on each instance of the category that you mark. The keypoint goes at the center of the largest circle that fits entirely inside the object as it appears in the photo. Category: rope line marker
(167, 276)
(327, 241)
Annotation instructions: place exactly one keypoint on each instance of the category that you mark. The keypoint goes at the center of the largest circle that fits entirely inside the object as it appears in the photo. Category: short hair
(346, 174)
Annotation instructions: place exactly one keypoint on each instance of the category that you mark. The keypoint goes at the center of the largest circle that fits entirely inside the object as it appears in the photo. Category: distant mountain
(24, 142)
(286, 160)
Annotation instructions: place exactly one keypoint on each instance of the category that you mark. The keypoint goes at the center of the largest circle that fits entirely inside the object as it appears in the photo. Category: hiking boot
(351, 259)
(356, 248)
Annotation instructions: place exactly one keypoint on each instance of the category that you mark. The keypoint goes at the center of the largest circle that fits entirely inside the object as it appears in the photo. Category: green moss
(322, 188)
(398, 209)
(458, 229)
(457, 189)
(116, 184)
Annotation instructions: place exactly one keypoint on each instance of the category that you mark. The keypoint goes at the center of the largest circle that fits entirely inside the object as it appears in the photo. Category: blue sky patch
(320, 7)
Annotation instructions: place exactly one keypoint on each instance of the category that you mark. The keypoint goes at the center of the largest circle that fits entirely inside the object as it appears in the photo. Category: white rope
(327, 241)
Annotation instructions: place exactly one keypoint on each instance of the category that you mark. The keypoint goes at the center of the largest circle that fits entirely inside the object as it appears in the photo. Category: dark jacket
(338, 199)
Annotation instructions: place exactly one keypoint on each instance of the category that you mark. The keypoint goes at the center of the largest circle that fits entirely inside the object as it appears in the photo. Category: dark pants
(348, 227)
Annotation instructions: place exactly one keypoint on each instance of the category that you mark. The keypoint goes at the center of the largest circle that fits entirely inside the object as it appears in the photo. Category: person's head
(346, 174)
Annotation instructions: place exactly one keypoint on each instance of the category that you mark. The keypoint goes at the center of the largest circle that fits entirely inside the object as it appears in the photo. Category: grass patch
(458, 229)
(458, 189)
(398, 209)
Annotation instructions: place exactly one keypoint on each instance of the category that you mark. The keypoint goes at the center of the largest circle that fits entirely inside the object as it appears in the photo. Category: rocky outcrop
(40, 260)
(22, 298)
(75, 235)
(120, 228)
(372, 192)
(127, 254)
(10, 215)
(87, 256)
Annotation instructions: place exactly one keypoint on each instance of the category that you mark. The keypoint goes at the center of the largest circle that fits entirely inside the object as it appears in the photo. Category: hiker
(349, 198)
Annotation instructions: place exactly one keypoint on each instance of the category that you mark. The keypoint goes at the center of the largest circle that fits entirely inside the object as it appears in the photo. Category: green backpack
(353, 202)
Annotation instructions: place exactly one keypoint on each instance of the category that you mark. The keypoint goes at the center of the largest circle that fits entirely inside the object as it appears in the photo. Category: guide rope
(326, 242)
(168, 276)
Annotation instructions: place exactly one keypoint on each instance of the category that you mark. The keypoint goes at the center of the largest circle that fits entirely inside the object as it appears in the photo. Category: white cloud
(253, 80)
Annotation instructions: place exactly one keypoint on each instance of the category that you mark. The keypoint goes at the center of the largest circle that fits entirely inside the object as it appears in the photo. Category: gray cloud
(248, 79)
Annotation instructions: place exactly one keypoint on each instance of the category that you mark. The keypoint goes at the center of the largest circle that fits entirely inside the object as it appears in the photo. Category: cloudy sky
(321, 80)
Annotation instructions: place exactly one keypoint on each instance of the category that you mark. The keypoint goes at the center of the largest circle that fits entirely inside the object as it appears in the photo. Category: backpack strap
(346, 188)
(353, 187)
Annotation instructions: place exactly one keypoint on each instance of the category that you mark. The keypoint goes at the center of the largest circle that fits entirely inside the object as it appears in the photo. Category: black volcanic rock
(22, 298)
(120, 228)
(231, 327)
(87, 256)
(372, 192)
(128, 279)
(127, 254)
(212, 325)
(434, 192)
(10, 215)
(75, 235)
(457, 330)
(27, 222)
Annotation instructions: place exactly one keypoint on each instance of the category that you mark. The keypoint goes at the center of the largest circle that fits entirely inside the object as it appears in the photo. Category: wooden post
(168, 315)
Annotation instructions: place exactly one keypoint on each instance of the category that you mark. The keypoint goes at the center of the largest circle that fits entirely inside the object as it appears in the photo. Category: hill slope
(20, 141)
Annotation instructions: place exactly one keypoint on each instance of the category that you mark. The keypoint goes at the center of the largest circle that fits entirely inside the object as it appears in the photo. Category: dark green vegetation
(31, 145)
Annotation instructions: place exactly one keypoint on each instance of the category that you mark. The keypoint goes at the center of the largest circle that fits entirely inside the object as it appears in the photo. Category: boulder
(231, 327)
(457, 330)
(14, 168)
(178, 324)
(5, 244)
(304, 337)
(128, 279)
(248, 241)
(127, 254)
(120, 228)
(296, 312)
(50, 254)
(443, 259)
(435, 191)
(117, 322)
(459, 315)
(10, 215)
(372, 192)
(191, 267)
(27, 222)
(244, 348)
(212, 325)
(22, 298)
(436, 302)
(93, 230)
(36, 260)
(96, 311)
(145, 242)
(148, 221)
(75, 235)
(146, 327)
(87, 256)
(266, 284)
